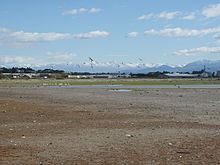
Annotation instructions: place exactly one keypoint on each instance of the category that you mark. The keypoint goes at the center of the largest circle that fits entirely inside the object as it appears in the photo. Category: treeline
(28, 70)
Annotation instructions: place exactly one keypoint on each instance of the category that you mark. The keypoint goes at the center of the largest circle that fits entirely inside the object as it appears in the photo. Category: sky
(40, 32)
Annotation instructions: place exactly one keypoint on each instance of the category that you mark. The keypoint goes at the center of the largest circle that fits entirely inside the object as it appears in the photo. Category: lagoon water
(122, 90)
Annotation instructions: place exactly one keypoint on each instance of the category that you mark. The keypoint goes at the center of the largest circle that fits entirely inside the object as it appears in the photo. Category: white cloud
(75, 11)
(21, 38)
(81, 10)
(218, 42)
(197, 51)
(61, 56)
(93, 34)
(179, 32)
(168, 15)
(163, 15)
(133, 34)
(147, 16)
(217, 36)
(4, 30)
(16, 60)
(212, 11)
(95, 10)
(190, 16)
(51, 57)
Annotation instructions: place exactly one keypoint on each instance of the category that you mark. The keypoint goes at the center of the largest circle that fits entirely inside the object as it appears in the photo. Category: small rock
(129, 135)
(170, 144)
(50, 143)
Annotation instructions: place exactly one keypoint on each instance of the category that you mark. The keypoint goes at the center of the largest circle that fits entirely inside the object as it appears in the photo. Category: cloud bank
(212, 11)
(133, 34)
(61, 56)
(21, 38)
(179, 32)
(81, 10)
(17, 60)
(209, 12)
(197, 51)
(162, 15)
(169, 15)
(190, 16)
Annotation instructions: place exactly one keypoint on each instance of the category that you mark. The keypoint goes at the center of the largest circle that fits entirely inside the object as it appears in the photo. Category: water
(122, 90)
(215, 101)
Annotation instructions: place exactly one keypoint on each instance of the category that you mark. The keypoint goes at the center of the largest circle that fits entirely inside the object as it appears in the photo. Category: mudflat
(100, 126)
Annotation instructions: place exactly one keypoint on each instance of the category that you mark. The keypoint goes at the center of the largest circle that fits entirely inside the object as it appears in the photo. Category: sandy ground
(98, 126)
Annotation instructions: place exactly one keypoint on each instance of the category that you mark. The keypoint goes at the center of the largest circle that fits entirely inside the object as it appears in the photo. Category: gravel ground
(99, 126)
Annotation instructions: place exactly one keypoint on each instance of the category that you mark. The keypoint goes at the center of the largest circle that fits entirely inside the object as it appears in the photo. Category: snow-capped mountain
(133, 68)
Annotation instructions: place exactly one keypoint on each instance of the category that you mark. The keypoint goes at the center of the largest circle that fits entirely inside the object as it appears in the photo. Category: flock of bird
(93, 62)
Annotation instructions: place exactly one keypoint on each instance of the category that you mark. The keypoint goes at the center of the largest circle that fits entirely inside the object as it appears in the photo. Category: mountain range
(114, 67)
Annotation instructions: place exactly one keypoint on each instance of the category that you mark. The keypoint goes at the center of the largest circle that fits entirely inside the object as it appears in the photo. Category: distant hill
(198, 65)
(211, 66)
(134, 68)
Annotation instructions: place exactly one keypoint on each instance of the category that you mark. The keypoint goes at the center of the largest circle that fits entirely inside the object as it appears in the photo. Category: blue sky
(69, 31)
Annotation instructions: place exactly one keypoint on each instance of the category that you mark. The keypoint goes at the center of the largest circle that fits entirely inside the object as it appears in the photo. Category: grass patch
(130, 82)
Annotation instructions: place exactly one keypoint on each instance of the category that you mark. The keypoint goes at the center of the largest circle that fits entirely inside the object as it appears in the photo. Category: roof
(180, 75)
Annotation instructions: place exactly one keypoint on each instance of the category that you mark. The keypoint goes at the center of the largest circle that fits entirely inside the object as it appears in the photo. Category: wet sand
(99, 126)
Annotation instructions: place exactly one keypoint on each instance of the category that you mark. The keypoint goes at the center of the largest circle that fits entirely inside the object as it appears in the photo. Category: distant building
(21, 75)
(218, 73)
(104, 76)
(205, 74)
(178, 75)
(124, 76)
(45, 75)
(72, 76)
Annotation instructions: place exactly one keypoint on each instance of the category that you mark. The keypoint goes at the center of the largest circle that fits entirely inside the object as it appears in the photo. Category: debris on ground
(129, 135)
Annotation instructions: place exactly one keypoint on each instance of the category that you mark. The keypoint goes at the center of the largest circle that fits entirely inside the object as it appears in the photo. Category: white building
(180, 75)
